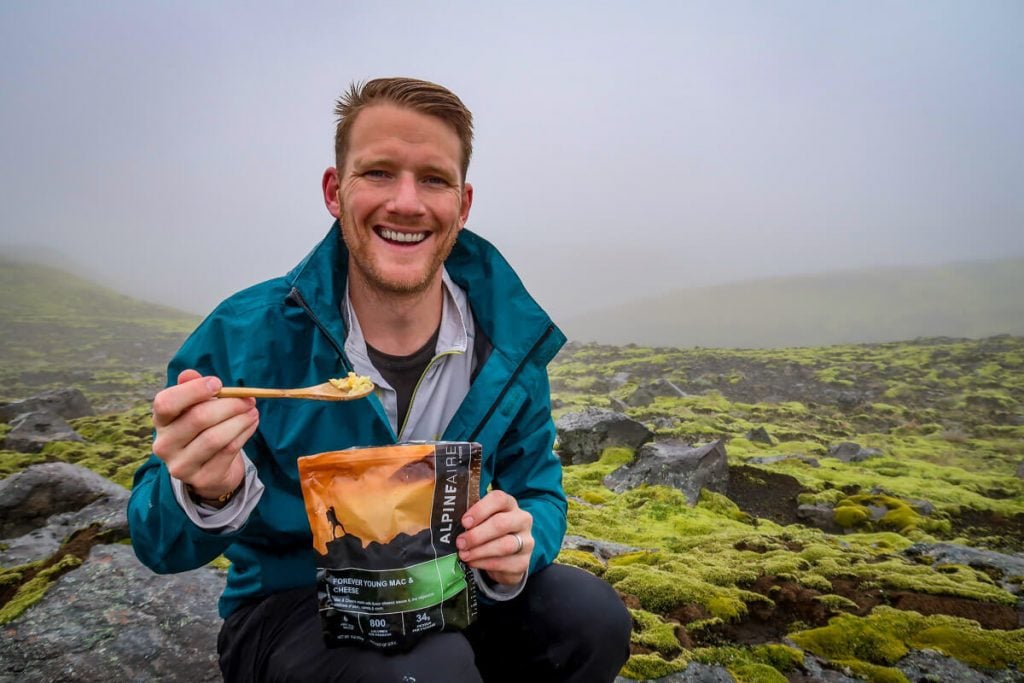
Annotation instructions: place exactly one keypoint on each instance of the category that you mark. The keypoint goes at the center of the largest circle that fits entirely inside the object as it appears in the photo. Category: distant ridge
(972, 300)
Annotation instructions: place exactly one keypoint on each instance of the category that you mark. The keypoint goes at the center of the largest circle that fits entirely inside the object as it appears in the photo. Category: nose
(406, 198)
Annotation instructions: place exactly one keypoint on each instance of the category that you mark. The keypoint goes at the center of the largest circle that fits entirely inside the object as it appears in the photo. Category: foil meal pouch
(384, 523)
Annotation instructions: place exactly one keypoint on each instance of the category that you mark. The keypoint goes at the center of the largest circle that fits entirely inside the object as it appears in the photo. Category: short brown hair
(421, 96)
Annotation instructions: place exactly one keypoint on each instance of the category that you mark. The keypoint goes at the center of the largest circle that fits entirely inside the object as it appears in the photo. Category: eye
(435, 180)
(376, 173)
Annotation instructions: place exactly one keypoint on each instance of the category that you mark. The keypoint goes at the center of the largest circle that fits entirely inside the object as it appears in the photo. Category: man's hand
(200, 439)
(490, 540)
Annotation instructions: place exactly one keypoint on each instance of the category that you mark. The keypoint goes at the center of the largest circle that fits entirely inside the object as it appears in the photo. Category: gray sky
(621, 147)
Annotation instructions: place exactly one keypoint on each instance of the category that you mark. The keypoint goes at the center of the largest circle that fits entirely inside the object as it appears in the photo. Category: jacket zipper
(504, 389)
(415, 389)
(295, 296)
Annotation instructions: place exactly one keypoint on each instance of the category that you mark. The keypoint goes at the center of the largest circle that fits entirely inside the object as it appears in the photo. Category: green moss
(887, 634)
(651, 631)
(836, 602)
(780, 657)
(220, 562)
(34, 589)
(756, 673)
(581, 559)
(645, 667)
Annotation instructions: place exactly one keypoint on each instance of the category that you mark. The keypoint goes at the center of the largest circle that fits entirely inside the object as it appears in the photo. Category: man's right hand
(200, 438)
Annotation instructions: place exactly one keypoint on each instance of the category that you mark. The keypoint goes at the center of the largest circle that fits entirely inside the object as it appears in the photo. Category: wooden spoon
(319, 392)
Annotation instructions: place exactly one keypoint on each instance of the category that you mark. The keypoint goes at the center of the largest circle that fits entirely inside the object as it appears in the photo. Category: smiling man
(399, 291)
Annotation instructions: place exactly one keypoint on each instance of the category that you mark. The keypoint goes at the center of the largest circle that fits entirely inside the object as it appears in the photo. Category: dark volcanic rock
(819, 516)
(59, 495)
(848, 451)
(67, 403)
(602, 550)
(695, 672)
(929, 665)
(114, 620)
(1007, 566)
(31, 431)
(760, 435)
(582, 436)
(676, 464)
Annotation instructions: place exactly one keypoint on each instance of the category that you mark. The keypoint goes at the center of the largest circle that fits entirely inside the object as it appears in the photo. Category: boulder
(60, 495)
(675, 464)
(1007, 567)
(695, 672)
(67, 403)
(772, 459)
(819, 516)
(929, 665)
(849, 451)
(31, 431)
(112, 619)
(760, 435)
(646, 394)
(583, 436)
(602, 550)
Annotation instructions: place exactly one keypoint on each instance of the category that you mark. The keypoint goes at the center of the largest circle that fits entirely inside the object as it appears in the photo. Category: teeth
(402, 236)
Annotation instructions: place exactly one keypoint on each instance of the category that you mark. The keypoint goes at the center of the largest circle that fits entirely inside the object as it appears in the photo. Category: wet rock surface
(31, 431)
(675, 464)
(583, 435)
(114, 620)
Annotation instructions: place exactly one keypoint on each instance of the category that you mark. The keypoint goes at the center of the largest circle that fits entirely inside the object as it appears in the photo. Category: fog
(175, 150)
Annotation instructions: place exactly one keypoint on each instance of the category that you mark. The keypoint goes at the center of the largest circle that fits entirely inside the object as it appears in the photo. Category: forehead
(390, 130)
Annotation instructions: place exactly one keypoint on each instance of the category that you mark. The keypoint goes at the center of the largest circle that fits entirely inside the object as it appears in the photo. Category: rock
(676, 464)
(31, 431)
(618, 379)
(583, 436)
(67, 403)
(1008, 566)
(772, 459)
(112, 619)
(820, 516)
(1020, 470)
(817, 671)
(602, 550)
(57, 494)
(695, 672)
(929, 665)
(646, 394)
(760, 435)
(848, 451)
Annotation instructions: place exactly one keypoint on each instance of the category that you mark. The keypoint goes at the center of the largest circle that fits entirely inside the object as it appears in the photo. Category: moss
(645, 667)
(651, 631)
(220, 562)
(35, 588)
(756, 673)
(836, 602)
(887, 634)
(581, 559)
(850, 516)
(780, 657)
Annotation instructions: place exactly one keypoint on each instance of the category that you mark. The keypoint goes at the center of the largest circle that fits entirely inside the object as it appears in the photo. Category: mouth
(397, 237)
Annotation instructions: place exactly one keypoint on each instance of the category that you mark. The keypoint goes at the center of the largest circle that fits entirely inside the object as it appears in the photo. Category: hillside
(970, 300)
(57, 329)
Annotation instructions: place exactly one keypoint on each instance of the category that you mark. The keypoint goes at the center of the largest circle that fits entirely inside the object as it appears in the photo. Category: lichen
(33, 590)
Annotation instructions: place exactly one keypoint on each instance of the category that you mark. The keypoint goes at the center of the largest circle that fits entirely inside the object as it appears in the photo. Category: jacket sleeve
(163, 537)
(528, 469)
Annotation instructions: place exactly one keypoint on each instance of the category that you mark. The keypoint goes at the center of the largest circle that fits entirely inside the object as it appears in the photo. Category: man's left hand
(498, 538)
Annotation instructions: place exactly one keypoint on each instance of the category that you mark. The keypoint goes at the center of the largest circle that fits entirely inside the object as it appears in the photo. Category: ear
(467, 204)
(331, 185)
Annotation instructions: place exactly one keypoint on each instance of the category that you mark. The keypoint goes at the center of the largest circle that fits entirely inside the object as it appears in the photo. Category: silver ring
(519, 540)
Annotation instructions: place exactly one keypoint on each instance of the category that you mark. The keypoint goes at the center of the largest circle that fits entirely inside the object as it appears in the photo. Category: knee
(588, 610)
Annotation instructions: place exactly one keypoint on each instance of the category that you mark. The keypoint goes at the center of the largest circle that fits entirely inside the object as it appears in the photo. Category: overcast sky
(178, 146)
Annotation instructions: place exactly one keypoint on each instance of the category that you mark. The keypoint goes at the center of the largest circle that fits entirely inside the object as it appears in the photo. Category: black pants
(566, 625)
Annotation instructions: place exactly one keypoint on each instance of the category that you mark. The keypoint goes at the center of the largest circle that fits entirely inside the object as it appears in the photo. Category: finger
(173, 401)
(228, 435)
(491, 504)
(494, 528)
(198, 418)
(187, 376)
(501, 547)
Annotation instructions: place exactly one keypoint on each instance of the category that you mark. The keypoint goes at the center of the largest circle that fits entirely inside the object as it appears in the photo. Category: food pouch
(384, 523)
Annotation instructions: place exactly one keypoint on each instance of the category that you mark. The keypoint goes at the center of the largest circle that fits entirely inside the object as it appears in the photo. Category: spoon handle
(254, 392)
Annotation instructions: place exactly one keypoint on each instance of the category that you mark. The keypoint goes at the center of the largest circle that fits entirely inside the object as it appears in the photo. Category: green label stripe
(395, 590)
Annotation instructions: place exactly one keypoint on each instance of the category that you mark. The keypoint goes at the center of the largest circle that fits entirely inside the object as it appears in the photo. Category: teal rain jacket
(288, 332)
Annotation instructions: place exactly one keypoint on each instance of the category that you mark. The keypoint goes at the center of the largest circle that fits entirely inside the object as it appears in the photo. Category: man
(433, 314)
